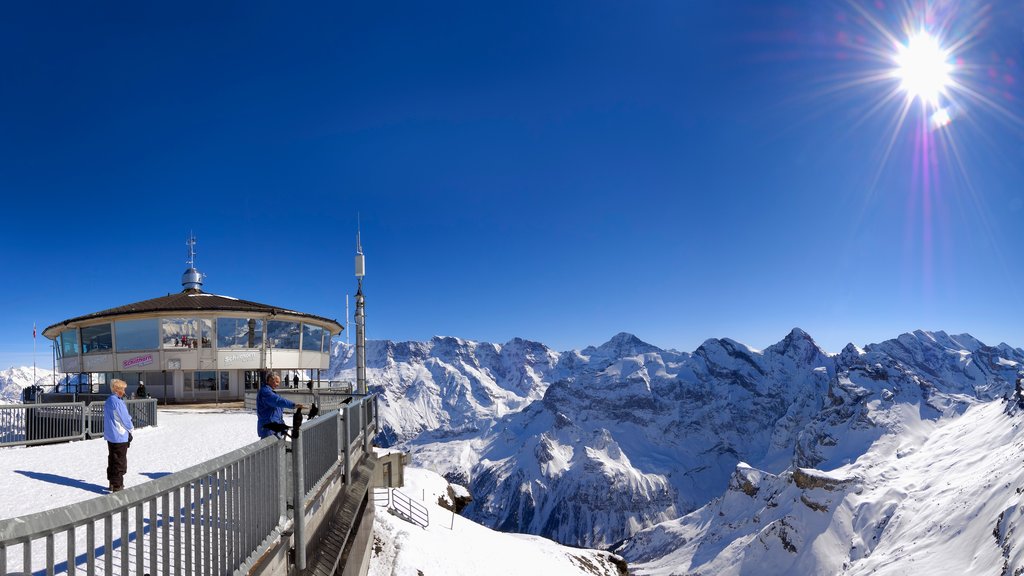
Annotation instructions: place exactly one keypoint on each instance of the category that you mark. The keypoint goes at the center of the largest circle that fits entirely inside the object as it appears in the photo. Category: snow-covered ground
(36, 478)
(43, 477)
(454, 546)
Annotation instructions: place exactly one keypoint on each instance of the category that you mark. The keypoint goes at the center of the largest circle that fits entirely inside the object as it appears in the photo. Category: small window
(312, 337)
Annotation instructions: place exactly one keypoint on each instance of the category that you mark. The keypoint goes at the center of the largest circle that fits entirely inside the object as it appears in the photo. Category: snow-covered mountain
(626, 435)
(941, 497)
(14, 380)
(448, 385)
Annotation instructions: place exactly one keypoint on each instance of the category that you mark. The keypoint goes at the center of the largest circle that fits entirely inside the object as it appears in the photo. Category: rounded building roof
(190, 301)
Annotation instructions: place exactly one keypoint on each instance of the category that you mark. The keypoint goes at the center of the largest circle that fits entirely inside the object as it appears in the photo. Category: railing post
(298, 502)
(348, 442)
(364, 421)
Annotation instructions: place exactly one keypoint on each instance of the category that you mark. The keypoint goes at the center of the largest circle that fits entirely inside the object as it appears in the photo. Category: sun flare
(923, 68)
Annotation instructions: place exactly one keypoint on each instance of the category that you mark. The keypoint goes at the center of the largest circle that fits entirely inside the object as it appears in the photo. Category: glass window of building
(281, 334)
(252, 380)
(137, 334)
(96, 339)
(206, 326)
(177, 333)
(205, 381)
(239, 333)
(225, 381)
(327, 342)
(312, 337)
(69, 342)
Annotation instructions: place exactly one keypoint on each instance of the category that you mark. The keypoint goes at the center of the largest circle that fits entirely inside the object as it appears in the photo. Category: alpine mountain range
(891, 458)
(899, 457)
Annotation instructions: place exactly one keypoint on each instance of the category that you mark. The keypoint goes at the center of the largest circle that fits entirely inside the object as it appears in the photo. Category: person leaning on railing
(270, 407)
(117, 431)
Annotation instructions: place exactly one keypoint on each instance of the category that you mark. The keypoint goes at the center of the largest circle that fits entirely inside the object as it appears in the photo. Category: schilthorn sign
(240, 357)
(137, 361)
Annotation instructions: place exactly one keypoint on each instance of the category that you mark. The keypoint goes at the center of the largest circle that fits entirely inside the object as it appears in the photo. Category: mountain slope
(943, 499)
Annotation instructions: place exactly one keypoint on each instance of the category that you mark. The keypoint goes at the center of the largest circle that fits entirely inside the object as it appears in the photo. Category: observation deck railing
(46, 423)
(222, 516)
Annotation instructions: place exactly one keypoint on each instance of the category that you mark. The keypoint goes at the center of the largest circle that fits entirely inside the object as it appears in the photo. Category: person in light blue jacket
(117, 431)
(270, 406)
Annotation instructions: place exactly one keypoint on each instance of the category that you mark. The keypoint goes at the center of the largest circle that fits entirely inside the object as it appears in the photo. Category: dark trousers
(117, 463)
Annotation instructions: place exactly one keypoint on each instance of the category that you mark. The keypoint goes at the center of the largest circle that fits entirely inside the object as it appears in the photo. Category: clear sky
(558, 171)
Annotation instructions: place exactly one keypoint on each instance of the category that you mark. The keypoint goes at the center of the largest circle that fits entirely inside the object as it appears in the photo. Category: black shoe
(117, 488)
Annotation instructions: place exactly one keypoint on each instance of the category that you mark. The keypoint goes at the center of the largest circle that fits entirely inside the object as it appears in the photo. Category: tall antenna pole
(347, 316)
(360, 318)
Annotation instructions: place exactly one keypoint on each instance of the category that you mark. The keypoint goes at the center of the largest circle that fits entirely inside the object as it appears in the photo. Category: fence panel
(142, 533)
(319, 449)
(28, 424)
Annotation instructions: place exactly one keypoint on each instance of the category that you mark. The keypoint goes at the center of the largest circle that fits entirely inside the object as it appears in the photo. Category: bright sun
(923, 68)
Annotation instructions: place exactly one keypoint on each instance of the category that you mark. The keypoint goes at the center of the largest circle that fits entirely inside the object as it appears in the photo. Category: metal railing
(30, 424)
(328, 398)
(401, 504)
(217, 517)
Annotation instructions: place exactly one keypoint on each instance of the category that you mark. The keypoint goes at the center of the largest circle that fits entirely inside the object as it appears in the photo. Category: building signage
(137, 361)
(241, 357)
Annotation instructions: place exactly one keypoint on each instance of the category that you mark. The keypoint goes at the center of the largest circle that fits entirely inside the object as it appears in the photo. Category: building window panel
(178, 333)
(69, 342)
(239, 333)
(206, 339)
(97, 339)
(133, 335)
(283, 335)
(312, 337)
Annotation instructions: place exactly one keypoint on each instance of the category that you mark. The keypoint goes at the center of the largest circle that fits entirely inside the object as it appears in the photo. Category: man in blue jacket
(117, 431)
(270, 407)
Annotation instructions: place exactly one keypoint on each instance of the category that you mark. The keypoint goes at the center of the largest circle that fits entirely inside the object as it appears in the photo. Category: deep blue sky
(558, 171)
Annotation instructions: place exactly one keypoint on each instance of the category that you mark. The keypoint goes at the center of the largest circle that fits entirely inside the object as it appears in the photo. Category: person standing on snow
(270, 406)
(117, 431)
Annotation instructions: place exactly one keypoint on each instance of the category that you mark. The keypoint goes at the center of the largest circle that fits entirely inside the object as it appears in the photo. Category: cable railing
(218, 517)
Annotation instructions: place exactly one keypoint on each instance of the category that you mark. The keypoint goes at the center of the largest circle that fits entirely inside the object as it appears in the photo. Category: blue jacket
(269, 408)
(117, 423)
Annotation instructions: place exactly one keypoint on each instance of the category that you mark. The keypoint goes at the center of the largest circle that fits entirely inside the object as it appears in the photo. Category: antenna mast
(360, 317)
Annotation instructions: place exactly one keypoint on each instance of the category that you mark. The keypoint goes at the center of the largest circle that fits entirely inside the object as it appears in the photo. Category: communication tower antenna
(191, 243)
(192, 279)
(347, 316)
(360, 316)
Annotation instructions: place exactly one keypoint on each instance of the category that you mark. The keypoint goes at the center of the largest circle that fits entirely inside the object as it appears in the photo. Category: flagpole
(33, 353)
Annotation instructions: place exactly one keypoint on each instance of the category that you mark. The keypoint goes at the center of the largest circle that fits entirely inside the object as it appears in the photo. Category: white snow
(37, 478)
(454, 546)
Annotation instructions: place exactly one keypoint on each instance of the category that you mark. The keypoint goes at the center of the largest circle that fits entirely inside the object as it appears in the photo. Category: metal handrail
(410, 509)
(46, 423)
(216, 517)
(224, 511)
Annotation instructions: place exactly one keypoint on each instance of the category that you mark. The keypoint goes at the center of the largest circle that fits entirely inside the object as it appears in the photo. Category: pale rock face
(595, 446)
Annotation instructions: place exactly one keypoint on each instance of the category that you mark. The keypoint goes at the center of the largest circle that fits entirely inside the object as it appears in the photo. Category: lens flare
(923, 68)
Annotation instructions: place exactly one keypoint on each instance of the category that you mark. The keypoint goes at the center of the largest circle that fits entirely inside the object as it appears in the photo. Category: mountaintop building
(192, 346)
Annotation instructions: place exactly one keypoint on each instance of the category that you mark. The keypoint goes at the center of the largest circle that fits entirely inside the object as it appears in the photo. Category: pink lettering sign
(137, 361)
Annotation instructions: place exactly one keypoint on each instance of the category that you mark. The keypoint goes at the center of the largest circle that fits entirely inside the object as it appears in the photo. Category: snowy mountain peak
(622, 345)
